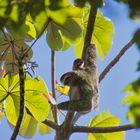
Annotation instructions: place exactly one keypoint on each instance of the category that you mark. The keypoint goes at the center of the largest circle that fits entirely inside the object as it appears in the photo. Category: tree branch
(51, 124)
(21, 112)
(90, 29)
(46, 122)
(84, 129)
(115, 60)
(21, 79)
(54, 108)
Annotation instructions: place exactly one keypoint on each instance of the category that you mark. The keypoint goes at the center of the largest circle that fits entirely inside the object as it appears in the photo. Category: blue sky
(110, 88)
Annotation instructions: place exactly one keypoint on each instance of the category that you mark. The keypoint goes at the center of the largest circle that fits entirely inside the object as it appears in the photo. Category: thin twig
(40, 34)
(84, 129)
(90, 29)
(115, 60)
(54, 108)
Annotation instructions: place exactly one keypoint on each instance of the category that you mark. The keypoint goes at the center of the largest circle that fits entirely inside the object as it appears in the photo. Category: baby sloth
(83, 82)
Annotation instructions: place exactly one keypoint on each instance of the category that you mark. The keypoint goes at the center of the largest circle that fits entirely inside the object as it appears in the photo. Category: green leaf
(105, 119)
(8, 55)
(31, 29)
(35, 102)
(58, 15)
(40, 20)
(37, 105)
(132, 99)
(54, 38)
(60, 35)
(43, 129)
(12, 109)
(103, 34)
(24, 32)
(29, 126)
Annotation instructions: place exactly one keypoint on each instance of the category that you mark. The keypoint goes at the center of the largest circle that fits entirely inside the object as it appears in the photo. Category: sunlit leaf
(59, 15)
(103, 34)
(43, 129)
(105, 119)
(12, 109)
(29, 126)
(14, 13)
(34, 99)
(37, 105)
(59, 34)
(31, 31)
(40, 21)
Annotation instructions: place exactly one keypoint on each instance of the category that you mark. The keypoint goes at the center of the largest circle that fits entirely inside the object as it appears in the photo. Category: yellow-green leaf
(31, 29)
(105, 119)
(59, 36)
(29, 126)
(102, 37)
(43, 129)
(12, 109)
(37, 105)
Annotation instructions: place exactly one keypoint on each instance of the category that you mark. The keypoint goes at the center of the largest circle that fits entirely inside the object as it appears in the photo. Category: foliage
(133, 100)
(34, 100)
(98, 3)
(64, 25)
(103, 34)
(105, 119)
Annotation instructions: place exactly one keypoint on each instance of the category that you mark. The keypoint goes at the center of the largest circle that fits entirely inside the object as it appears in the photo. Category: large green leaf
(105, 119)
(35, 102)
(103, 34)
(59, 15)
(37, 105)
(61, 36)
